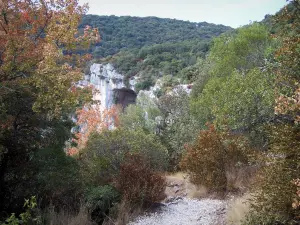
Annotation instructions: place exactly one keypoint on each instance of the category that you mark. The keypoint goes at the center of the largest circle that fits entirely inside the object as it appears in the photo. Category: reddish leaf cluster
(211, 156)
(138, 182)
(93, 119)
(37, 43)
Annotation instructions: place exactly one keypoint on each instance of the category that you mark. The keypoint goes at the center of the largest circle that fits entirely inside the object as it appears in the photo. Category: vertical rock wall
(109, 85)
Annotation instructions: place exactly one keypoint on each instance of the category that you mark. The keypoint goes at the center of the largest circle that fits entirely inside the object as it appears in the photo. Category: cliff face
(109, 86)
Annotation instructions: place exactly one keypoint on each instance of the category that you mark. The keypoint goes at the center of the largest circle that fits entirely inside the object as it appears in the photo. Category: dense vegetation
(175, 62)
(125, 32)
(151, 47)
(242, 116)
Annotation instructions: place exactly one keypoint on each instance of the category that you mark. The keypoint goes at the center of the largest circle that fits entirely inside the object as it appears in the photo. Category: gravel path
(186, 212)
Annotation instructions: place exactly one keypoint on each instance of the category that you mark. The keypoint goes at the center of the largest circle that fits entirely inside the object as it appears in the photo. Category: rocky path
(182, 208)
(187, 212)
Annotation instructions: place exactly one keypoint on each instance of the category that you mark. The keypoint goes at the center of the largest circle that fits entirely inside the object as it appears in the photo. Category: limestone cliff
(109, 86)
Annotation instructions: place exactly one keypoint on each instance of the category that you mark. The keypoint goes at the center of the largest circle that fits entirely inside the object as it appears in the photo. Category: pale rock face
(151, 91)
(105, 79)
(158, 85)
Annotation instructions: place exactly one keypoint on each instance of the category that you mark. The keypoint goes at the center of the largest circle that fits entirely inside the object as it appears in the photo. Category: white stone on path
(187, 212)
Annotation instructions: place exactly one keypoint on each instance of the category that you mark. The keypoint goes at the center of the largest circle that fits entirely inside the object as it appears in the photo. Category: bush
(30, 216)
(105, 153)
(100, 200)
(275, 190)
(144, 85)
(57, 179)
(63, 217)
(138, 182)
(213, 154)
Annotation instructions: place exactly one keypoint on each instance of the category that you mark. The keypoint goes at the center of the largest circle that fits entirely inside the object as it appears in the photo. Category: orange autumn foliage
(138, 182)
(92, 119)
(37, 43)
(213, 154)
(289, 105)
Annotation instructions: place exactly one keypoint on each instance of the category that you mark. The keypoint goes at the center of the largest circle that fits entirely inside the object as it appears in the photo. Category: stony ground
(185, 204)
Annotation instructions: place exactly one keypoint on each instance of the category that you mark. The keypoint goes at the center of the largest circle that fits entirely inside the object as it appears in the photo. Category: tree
(143, 115)
(241, 101)
(37, 39)
(91, 119)
(242, 50)
(276, 196)
(177, 126)
(238, 89)
(38, 71)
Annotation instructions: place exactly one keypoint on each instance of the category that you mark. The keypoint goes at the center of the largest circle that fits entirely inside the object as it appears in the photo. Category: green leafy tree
(240, 101)
(242, 50)
(276, 192)
(176, 125)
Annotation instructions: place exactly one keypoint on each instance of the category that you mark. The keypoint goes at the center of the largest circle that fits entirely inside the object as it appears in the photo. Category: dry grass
(185, 187)
(124, 214)
(240, 179)
(237, 210)
(65, 218)
(196, 191)
(179, 175)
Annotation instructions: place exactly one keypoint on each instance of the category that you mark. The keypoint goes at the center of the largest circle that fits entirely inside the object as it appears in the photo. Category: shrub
(100, 200)
(105, 153)
(144, 85)
(275, 190)
(65, 217)
(138, 182)
(57, 179)
(214, 153)
(30, 216)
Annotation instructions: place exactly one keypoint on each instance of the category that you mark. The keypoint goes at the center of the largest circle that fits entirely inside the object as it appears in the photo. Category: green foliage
(127, 32)
(26, 218)
(176, 60)
(236, 84)
(141, 116)
(105, 153)
(176, 125)
(24, 173)
(100, 200)
(35, 92)
(133, 117)
(173, 50)
(144, 85)
(243, 50)
(241, 101)
(214, 153)
(275, 191)
(202, 75)
(57, 178)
